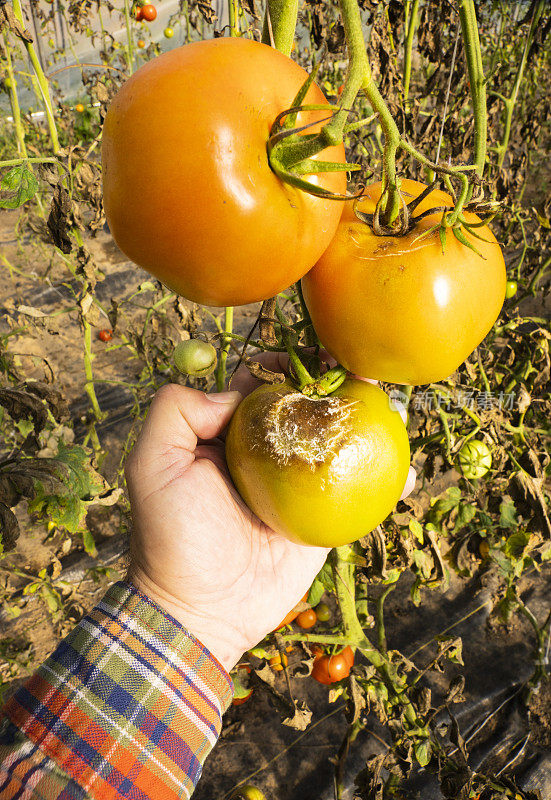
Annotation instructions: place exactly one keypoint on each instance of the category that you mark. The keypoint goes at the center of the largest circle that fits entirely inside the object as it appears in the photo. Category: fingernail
(225, 397)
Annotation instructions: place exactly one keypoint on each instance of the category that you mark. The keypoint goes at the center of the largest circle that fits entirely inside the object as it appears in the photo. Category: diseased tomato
(306, 619)
(322, 472)
(242, 690)
(149, 12)
(475, 459)
(204, 212)
(105, 335)
(293, 614)
(338, 667)
(395, 308)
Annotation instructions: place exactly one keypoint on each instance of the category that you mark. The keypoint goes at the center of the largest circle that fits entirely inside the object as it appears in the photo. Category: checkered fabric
(128, 706)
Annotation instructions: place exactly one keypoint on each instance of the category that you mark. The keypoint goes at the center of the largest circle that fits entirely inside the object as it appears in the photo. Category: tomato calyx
(291, 155)
(406, 221)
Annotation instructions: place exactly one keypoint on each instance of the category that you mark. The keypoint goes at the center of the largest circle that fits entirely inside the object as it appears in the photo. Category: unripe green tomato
(169, 33)
(9, 84)
(321, 471)
(475, 459)
(323, 612)
(248, 793)
(195, 357)
(510, 289)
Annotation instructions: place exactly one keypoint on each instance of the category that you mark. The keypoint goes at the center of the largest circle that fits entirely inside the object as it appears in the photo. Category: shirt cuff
(129, 702)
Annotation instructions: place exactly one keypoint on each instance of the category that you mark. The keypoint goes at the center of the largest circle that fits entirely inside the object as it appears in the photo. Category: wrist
(207, 629)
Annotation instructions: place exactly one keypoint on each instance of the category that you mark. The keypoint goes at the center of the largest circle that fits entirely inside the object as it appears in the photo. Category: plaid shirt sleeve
(128, 706)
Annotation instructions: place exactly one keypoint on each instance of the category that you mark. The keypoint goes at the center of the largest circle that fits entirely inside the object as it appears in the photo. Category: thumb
(178, 417)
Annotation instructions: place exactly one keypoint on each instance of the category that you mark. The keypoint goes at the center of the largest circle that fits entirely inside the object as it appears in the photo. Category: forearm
(129, 702)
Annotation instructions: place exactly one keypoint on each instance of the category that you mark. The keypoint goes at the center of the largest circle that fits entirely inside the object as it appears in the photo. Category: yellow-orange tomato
(322, 472)
(293, 614)
(307, 619)
(395, 308)
(199, 207)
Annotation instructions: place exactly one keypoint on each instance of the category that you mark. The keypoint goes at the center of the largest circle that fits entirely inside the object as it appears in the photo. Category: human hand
(196, 548)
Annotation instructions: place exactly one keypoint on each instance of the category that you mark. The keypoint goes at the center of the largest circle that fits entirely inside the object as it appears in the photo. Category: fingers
(179, 416)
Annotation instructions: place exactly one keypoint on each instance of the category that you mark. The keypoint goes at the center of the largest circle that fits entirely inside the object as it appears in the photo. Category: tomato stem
(411, 14)
(226, 337)
(280, 22)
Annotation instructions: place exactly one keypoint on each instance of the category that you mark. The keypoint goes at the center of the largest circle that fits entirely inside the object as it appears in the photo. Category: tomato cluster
(208, 216)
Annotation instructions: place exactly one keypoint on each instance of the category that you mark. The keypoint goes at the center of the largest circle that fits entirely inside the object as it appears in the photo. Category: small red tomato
(105, 335)
(306, 619)
(149, 13)
(320, 671)
(348, 655)
(338, 668)
(138, 14)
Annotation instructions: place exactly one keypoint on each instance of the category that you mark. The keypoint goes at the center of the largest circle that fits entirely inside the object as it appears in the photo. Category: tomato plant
(225, 92)
(332, 482)
(397, 308)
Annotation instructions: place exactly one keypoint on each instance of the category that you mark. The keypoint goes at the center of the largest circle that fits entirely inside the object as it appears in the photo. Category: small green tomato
(195, 357)
(169, 33)
(323, 612)
(248, 793)
(511, 289)
(475, 459)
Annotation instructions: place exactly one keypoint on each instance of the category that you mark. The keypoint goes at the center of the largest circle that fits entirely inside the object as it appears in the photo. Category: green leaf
(415, 592)
(316, 592)
(21, 183)
(325, 576)
(89, 543)
(516, 544)
(423, 562)
(465, 513)
(392, 576)
(423, 752)
(417, 530)
(508, 514)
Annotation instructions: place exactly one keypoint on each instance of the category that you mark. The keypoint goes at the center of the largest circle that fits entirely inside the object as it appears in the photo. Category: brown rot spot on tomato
(307, 429)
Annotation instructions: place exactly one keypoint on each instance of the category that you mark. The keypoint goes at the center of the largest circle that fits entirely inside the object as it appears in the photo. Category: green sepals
(21, 183)
(306, 186)
(426, 233)
(462, 239)
(301, 94)
(475, 234)
(309, 166)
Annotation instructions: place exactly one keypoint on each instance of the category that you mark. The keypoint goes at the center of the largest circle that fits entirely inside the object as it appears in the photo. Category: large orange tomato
(320, 471)
(397, 309)
(188, 190)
